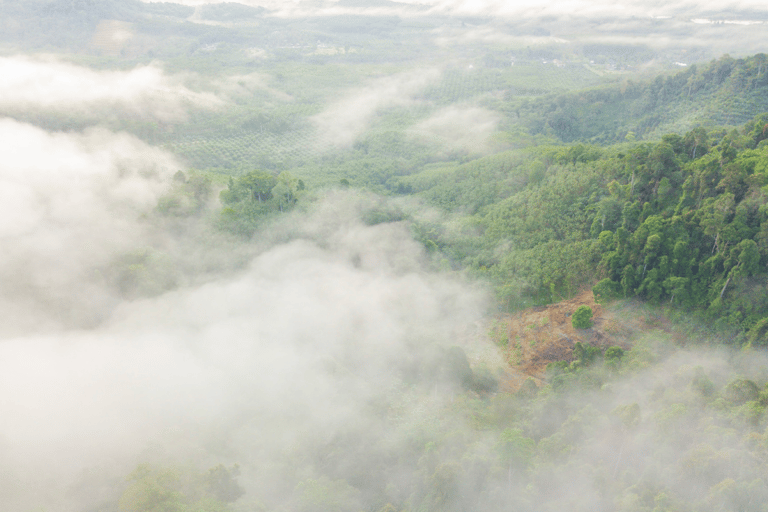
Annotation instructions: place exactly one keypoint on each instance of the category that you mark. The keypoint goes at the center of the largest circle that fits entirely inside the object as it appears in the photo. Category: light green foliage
(256, 196)
(515, 449)
(582, 317)
(499, 333)
(325, 495)
(629, 414)
(142, 273)
(153, 491)
(160, 489)
(187, 196)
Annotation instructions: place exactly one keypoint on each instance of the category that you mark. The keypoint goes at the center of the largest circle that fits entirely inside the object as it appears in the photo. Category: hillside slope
(725, 92)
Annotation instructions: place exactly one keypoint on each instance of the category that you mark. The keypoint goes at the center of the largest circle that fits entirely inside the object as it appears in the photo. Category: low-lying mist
(295, 349)
(69, 204)
(346, 119)
(51, 85)
(469, 129)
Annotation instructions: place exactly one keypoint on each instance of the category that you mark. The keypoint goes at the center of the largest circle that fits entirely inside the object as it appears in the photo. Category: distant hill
(725, 92)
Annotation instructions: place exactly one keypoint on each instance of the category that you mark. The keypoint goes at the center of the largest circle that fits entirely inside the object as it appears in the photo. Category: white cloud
(292, 349)
(343, 121)
(465, 128)
(69, 203)
(28, 83)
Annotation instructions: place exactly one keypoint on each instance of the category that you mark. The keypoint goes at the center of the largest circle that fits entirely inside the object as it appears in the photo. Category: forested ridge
(724, 91)
(680, 221)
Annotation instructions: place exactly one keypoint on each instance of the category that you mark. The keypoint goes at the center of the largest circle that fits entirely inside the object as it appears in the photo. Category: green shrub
(606, 290)
(582, 318)
(483, 381)
(740, 391)
(613, 357)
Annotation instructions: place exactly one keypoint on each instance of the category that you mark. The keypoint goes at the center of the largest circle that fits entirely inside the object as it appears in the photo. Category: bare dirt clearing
(532, 338)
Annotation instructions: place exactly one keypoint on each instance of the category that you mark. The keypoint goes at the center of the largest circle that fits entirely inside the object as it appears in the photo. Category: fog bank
(49, 84)
(292, 350)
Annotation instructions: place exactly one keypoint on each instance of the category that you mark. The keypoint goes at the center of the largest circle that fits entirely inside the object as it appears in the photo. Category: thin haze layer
(499, 7)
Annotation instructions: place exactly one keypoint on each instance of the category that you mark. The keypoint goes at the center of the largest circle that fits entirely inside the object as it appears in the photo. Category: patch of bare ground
(535, 337)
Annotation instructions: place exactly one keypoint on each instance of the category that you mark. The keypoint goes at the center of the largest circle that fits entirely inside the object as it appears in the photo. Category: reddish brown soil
(538, 336)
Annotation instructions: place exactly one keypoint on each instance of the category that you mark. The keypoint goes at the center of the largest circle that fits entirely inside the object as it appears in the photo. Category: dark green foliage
(584, 354)
(222, 484)
(556, 368)
(483, 381)
(457, 367)
(739, 391)
(681, 221)
(613, 356)
(606, 290)
(703, 384)
(582, 317)
(758, 334)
